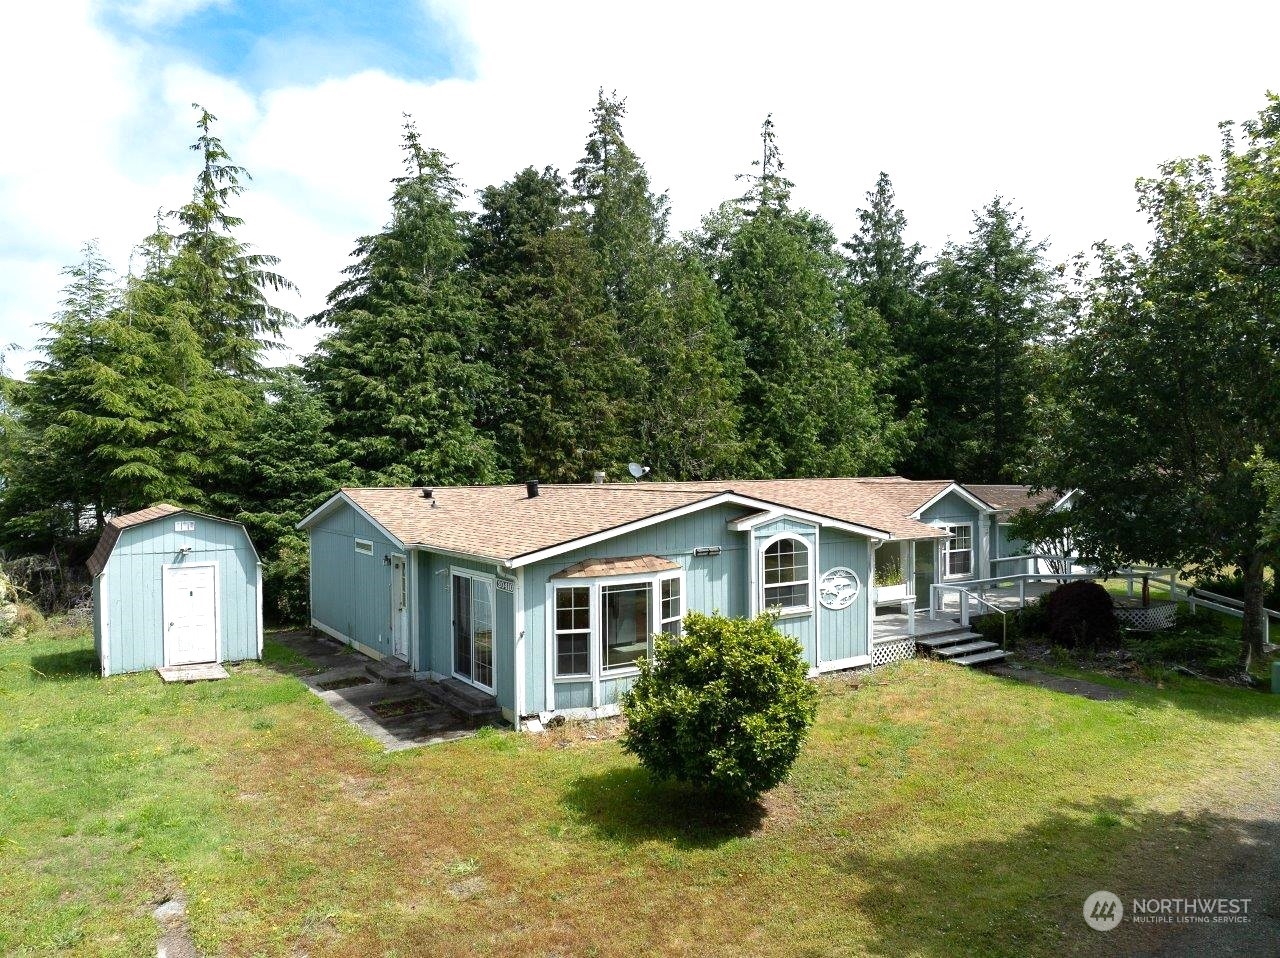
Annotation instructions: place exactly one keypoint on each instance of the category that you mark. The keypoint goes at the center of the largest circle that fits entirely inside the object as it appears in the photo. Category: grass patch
(934, 811)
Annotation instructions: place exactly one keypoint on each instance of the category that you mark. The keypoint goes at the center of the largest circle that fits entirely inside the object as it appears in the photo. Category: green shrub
(725, 707)
(1081, 615)
(286, 575)
(1028, 624)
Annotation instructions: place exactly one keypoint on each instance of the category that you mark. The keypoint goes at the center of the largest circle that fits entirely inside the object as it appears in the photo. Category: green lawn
(934, 812)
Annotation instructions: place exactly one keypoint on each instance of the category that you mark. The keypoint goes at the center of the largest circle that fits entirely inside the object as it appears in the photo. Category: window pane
(571, 654)
(670, 598)
(959, 563)
(673, 627)
(787, 560)
(626, 625)
(787, 596)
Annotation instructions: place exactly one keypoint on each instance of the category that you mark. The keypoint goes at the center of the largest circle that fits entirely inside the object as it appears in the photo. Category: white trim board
(960, 491)
(332, 502)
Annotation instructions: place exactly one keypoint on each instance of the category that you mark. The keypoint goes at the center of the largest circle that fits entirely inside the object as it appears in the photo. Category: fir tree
(226, 283)
(402, 366)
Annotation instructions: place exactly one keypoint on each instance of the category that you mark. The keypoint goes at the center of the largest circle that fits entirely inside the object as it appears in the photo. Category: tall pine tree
(560, 363)
(810, 405)
(993, 297)
(402, 366)
(224, 280)
(679, 405)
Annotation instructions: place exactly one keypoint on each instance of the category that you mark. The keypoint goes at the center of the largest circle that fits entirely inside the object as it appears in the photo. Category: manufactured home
(546, 596)
(174, 587)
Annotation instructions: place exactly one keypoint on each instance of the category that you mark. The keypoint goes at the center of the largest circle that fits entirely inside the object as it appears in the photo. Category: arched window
(786, 580)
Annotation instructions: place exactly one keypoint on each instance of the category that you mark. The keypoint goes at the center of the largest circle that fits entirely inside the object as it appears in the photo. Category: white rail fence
(972, 590)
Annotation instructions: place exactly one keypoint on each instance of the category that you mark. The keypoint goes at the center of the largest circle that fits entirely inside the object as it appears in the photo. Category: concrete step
(981, 658)
(944, 639)
(474, 705)
(390, 670)
(964, 648)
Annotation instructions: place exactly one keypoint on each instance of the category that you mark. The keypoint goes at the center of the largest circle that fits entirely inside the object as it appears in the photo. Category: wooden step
(964, 648)
(944, 639)
(981, 658)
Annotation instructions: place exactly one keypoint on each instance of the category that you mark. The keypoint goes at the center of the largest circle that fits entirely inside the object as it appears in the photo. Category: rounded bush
(1081, 615)
(726, 706)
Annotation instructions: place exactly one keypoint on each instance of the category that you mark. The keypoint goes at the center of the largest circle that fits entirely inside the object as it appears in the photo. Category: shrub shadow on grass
(62, 666)
(627, 805)
(1023, 893)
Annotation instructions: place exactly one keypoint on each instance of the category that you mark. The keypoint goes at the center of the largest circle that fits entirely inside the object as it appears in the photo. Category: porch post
(964, 607)
(1022, 593)
(910, 607)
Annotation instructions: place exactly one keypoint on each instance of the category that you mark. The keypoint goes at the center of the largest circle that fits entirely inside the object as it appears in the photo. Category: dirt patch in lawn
(1058, 683)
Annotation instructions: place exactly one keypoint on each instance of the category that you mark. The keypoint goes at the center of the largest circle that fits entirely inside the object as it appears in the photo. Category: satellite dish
(637, 470)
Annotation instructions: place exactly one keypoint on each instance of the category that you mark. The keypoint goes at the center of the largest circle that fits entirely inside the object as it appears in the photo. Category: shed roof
(504, 524)
(117, 524)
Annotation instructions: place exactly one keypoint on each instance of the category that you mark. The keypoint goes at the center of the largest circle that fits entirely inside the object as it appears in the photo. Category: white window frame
(811, 565)
(679, 616)
(492, 581)
(596, 586)
(948, 552)
(556, 632)
(364, 547)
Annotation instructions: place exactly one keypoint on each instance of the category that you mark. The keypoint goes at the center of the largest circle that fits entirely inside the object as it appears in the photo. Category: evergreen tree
(126, 410)
(225, 282)
(561, 367)
(994, 297)
(677, 397)
(810, 407)
(402, 366)
(286, 464)
(886, 274)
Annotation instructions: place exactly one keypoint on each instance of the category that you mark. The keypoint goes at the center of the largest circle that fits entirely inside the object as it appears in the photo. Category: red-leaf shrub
(1081, 615)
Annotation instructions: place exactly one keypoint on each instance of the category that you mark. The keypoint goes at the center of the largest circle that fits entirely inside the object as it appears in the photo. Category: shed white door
(190, 614)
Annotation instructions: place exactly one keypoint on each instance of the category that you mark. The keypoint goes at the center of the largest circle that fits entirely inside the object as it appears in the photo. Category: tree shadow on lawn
(63, 666)
(1023, 894)
(629, 806)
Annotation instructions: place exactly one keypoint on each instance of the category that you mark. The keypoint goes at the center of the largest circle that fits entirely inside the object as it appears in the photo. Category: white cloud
(956, 102)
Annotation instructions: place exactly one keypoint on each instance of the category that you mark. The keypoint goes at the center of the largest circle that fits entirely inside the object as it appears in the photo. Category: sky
(1059, 107)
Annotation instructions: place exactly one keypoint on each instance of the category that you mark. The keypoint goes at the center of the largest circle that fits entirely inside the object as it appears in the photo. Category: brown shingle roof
(1008, 498)
(503, 523)
(111, 534)
(591, 568)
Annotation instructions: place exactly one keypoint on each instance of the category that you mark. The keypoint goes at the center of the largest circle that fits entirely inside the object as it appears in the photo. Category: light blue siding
(803, 627)
(842, 633)
(351, 591)
(1006, 544)
(712, 584)
(132, 614)
(435, 594)
(719, 583)
(951, 509)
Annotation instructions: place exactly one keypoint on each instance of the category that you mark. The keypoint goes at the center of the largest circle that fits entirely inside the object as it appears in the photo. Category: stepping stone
(205, 672)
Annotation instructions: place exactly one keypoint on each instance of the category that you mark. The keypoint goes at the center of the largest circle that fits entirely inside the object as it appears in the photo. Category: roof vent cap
(531, 487)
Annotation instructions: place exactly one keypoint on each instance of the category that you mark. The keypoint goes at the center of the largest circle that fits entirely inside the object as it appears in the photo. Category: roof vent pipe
(531, 487)
(428, 493)
(598, 477)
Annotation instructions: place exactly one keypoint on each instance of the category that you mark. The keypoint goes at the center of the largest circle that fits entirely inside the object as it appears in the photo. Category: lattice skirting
(882, 653)
(1161, 615)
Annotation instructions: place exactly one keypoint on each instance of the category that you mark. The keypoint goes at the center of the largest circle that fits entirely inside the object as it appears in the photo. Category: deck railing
(976, 587)
(1229, 606)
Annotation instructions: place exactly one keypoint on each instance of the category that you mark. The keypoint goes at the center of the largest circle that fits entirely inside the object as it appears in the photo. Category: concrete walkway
(400, 713)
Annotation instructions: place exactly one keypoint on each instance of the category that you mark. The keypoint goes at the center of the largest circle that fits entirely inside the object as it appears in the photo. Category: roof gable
(116, 525)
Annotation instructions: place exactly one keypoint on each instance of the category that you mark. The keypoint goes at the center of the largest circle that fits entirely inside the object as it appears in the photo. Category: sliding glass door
(473, 629)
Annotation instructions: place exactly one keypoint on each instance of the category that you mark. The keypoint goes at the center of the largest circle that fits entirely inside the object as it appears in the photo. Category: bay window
(603, 627)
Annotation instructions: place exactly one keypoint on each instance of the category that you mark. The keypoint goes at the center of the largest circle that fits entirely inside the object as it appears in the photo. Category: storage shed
(174, 587)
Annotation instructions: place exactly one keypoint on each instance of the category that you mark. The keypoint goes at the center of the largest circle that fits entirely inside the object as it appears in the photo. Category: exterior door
(924, 572)
(399, 608)
(473, 629)
(189, 599)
